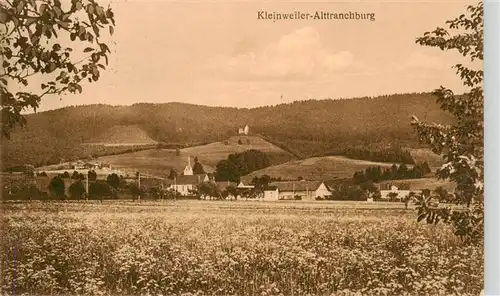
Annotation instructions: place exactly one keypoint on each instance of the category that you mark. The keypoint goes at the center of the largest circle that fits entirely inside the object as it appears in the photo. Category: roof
(152, 182)
(224, 184)
(190, 179)
(270, 188)
(297, 185)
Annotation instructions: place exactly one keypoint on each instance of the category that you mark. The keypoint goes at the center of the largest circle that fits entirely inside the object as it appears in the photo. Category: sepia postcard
(242, 147)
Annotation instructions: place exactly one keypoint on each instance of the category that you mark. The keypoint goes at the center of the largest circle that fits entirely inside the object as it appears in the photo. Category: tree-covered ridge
(401, 172)
(305, 128)
(392, 154)
(240, 164)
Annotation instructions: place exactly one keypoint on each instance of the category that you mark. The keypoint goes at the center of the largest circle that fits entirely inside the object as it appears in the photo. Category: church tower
(188, 170)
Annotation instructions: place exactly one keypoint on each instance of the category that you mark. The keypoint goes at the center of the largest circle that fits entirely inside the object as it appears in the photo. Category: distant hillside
(425, 154)
(305, 128)
(126, 135)
(317, 168)
(158, 162)
(212, 153)
(424, 183)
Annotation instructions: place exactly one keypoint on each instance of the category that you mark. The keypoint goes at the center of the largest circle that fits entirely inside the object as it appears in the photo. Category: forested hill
(306, 128)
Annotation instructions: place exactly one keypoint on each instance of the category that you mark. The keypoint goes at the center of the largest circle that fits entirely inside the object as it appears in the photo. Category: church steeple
(188, 170)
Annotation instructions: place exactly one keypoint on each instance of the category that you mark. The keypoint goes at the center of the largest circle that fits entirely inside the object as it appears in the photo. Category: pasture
(231, 248)
(158, 162)
(318, 168)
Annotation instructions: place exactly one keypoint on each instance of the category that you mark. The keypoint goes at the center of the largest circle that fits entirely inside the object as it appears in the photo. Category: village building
(188, 170)
(271, 193)
(244, 130)
(290, 190)
(395, 193)
(187, 183)
(242, 185)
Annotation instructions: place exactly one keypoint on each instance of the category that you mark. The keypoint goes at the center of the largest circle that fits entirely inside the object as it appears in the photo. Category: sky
(218, 53)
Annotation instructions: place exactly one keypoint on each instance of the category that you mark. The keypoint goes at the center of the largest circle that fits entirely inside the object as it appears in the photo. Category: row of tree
(394, 154)
(240, 164)
(401, 172)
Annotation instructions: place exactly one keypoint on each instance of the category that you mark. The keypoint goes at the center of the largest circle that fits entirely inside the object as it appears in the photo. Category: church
(244, 130)
(186, 183)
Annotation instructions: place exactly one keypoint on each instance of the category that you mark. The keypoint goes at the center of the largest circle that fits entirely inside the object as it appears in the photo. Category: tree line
(394, 154)
(58, 134)
(401, 172)
(240, 164)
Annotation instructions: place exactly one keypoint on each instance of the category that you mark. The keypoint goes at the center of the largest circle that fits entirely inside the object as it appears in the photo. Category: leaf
(4, 81)
(95, 71)
(52, 67)
(81, 30)
(90, 8)
(29, 22)
(20, 7)
(32, 3)
(111, 30)
(421, 217)
(88, 49)
(3, 17)
(58, 12)
(42, 9)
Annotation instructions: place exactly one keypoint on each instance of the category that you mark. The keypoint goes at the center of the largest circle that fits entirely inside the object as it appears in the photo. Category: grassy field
(231, 248)
(212, 153)
(318, 168)
(160, 161)
(424, 183)
(156, 162)
(424, 154)
(123, 135)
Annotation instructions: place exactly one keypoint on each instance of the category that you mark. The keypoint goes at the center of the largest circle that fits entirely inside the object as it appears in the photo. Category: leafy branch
(31, 46)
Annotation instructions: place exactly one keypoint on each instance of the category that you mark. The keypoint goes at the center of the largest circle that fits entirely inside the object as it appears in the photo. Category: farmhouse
(186, 184)
(244, 130)
(271, 193)
(393, 192)
(244, 186)
(304, 190)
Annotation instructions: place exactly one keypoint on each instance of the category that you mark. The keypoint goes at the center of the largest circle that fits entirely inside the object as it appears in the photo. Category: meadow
(158, 162)
(231, 248)
(318, 168)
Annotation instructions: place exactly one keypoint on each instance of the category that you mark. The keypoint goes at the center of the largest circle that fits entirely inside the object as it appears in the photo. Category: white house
(244, 130)
(186, 184)
(396, 192)
(303, 190)
(243, 186)
(271, 193)
(188, 170)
